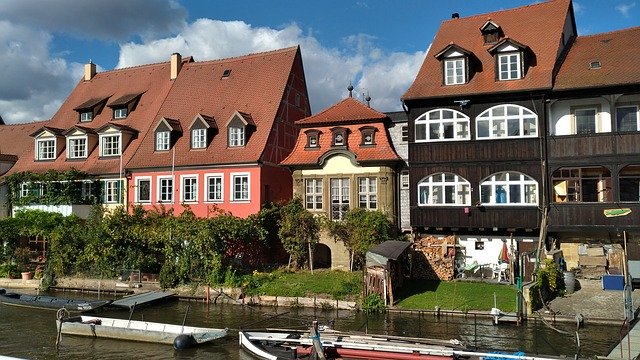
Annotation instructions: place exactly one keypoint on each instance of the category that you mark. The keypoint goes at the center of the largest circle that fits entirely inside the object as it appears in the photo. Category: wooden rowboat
(50, 302)
(101, 327)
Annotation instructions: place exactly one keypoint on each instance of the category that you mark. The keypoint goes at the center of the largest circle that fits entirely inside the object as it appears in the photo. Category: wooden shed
(387, 264)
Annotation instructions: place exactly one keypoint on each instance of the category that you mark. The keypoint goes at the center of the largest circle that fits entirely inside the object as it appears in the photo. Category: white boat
(100, 327)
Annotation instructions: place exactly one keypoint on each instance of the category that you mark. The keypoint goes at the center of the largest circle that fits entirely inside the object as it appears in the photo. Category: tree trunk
(310, 257)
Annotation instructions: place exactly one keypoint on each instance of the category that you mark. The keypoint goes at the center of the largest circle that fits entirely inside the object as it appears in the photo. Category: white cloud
(625, 9)
(102, 19)
(328, 71)
(33, 83)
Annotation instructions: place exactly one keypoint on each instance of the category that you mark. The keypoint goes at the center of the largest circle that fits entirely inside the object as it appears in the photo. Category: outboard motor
(184, 341)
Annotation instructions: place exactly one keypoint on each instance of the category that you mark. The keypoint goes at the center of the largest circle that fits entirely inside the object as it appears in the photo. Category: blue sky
(377, 45)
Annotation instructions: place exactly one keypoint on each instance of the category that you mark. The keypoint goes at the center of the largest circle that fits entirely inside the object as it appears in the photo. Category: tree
(299, 232)
(360, 230)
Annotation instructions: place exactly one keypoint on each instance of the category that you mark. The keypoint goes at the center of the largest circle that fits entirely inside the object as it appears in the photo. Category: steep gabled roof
(351, 115)
(16, 142)
(540, 27)
(616, 52)
(254, 88)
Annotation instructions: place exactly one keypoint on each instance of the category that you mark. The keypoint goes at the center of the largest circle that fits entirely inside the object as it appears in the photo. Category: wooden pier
(141, 299)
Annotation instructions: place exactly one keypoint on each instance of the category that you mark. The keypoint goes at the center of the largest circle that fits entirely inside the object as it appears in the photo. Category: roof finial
(350, 88)
(368, 99)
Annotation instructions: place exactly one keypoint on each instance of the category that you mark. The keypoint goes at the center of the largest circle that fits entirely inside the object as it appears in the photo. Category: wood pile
(434, 258)
(593, 263)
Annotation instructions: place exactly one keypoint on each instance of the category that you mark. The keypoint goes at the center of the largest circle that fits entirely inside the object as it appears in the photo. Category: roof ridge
(247, 56)
(519, 8)
(24, 123)
(609, 32)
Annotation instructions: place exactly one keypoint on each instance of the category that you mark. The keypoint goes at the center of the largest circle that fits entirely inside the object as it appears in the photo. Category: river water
(31, 334)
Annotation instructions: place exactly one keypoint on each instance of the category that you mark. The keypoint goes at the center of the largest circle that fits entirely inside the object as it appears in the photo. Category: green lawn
(339, 285)
(456, 295)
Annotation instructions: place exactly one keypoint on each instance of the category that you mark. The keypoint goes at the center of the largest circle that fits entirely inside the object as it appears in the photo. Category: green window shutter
(103, 191)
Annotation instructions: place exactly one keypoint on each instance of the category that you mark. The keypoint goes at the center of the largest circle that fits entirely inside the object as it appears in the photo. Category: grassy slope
(416, 294)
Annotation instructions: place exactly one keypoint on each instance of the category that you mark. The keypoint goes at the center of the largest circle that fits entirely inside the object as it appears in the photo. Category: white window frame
(163, 140)
(191, 181)
(637, 113)
(439, 119)
(499, 122)
(72, 147)
(24, 189)
(433, 190)
(340, 197)
(111, 193)
(138, 199)
(46, 149)
(220, 190)
(511, 59)
(103, 145)
(162, 197)
(120, 113)
(314, 194)
(198, 138)
(244, 195)
(454, 71)
(595, 120)
(504, 181)
(368, 193)
(404, 179)
(236, 136)
(86, 190)
(86, 116)
(404, 132)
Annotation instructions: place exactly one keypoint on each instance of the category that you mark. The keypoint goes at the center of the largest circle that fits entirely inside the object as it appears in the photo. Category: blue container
(613, 282)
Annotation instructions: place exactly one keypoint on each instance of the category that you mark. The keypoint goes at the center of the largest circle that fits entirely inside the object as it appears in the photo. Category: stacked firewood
(434, 258)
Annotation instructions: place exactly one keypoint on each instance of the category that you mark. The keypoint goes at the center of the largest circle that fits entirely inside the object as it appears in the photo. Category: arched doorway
(321, 256)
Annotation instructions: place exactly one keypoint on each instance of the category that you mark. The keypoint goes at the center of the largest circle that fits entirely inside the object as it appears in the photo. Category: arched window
(506, 121)
(442, 125)
(509, 188)
(444, 189)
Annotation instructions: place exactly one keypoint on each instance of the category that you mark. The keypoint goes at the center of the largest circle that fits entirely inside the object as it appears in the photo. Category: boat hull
(50, 302)
(135, 330)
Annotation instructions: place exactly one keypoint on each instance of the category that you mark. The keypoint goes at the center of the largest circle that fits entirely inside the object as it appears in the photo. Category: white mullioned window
(215, 187)
(509, 188)
(163, 140)
(586, 120)
(198, 138)
(110, 145)
(165, 189)
(313, 194)
(509, 66)
(86, 116)
(236, 136)
(454, 72)
(120, 113)
(506, 121)
(189, 188)
(368, 193)
(404, 179)
(143, 190)
(111, 191)
(444, 189)
(339, 198)
(45, 149)
(77, 147)
(442, 125)
(240, 187)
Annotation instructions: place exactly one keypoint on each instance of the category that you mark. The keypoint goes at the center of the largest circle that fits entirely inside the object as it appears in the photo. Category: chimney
(89, 71)
(176, 65)
(455, 16)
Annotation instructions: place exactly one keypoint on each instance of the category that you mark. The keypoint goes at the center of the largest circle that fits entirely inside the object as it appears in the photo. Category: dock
(145, 298)
(629, 346)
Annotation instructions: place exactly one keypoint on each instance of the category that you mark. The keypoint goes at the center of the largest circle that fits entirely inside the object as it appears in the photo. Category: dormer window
(202, 130)
(86, 116)
(120, 113)
(166, 133)
(77, 147)
(339, 137)
(110, 145)
(510, 59)
(49, 142)
(491, 32)
(368, 135)
(124, 105)
(163, 140)
(509, 66)
(456, 64)
(239, 128)
(46, 149)
(198, 138)
(313, 138)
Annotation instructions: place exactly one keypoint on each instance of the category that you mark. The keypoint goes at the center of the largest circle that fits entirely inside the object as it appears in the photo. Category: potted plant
(22, 258)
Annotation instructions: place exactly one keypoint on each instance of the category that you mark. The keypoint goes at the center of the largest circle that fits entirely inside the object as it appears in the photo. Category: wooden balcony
(589, 146)
(488, 217)
(580, 216)
(521, 149)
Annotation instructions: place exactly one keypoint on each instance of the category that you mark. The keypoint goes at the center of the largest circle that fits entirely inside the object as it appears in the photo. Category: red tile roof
(153, 81)
(15, 141)
(618, 56)
(352, 115)
(255, 87)
(540, 27)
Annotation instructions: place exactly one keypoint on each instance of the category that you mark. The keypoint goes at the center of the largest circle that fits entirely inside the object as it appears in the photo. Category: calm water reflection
(31, 333)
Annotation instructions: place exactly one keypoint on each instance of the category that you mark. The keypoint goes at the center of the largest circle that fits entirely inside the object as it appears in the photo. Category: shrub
(373, 303)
